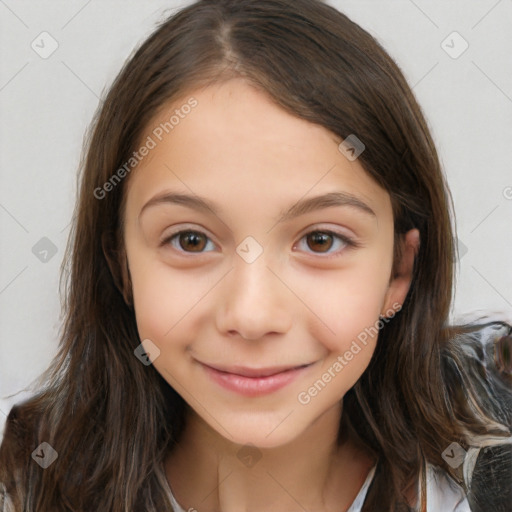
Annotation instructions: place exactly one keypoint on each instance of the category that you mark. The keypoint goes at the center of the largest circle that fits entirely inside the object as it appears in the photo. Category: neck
(209, 473)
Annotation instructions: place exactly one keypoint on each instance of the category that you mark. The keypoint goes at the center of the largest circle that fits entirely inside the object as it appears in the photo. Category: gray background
(47, 103)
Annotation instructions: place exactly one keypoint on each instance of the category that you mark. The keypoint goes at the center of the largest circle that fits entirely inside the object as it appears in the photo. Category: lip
(254, 381)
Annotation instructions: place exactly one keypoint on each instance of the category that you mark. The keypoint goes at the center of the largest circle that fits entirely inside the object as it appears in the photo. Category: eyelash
(347, 241)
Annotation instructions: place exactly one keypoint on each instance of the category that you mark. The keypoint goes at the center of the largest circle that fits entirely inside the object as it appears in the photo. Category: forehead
(236, 140)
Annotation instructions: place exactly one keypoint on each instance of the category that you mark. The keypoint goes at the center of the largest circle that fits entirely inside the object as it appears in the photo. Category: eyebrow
(301, 207)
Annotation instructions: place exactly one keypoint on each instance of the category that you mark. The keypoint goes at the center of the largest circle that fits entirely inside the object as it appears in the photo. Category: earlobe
(117, 263)
(402, 278)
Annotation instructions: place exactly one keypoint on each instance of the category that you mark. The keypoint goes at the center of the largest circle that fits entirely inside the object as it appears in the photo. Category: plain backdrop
(47, 102)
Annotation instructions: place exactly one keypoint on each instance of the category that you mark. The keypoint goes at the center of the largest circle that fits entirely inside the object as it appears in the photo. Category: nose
(254, 301)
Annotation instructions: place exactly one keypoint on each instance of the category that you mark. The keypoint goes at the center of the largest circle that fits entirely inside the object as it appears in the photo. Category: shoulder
(478, 334)
(443, 493)
(490, 481)
(20, 429)
(490, 487)
(16, 431)
(18, 442)
(482, 348)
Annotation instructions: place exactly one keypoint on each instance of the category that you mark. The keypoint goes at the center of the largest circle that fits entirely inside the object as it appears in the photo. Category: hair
(111, 419)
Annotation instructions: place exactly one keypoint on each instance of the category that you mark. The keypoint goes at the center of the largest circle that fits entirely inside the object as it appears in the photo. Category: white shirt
(443, 494)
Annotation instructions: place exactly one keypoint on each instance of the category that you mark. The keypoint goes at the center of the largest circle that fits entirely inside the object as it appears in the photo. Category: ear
(400, 281)
(118, 265)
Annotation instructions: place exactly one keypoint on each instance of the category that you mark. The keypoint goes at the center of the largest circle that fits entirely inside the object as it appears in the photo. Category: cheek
(155, 295)
(348, 332)
(164, 299)
(346, 305)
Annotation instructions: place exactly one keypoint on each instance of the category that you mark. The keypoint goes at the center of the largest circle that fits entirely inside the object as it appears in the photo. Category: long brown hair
(112, 419)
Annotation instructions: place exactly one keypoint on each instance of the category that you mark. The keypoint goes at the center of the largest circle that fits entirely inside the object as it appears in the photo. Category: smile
(254, 381)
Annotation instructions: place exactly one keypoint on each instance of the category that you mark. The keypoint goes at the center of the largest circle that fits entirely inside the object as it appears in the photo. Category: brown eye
(192, 241)
(326, 243)
(319, 241)
(189, 241)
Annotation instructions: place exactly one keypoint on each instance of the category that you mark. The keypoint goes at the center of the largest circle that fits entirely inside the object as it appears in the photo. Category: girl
(260, 279)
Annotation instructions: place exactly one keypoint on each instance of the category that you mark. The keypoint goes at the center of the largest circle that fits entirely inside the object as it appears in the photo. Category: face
(260, 259)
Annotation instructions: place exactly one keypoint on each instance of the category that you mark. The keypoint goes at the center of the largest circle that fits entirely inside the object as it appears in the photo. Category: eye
(322, 241)
(318, 241)
(188, 241)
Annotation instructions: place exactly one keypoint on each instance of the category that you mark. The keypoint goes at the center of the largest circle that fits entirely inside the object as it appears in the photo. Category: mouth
(244, 371)
(254, 381)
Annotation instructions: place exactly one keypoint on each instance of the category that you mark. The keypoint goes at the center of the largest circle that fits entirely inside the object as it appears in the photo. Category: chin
(261, 430)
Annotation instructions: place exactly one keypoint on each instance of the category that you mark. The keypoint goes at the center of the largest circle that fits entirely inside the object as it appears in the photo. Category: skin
(300, 302)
